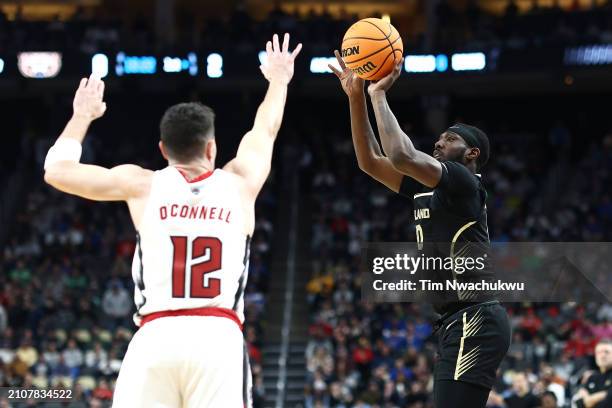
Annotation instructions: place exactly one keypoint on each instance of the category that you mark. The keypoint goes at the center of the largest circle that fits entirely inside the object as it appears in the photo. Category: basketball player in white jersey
(194, 222)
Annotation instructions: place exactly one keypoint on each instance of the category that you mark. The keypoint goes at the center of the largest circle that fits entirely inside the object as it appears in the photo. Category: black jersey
(451, 221)
(600, 382)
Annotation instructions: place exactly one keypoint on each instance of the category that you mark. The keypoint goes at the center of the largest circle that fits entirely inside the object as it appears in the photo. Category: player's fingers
(373, 86)
(93, 82)
(269, 47)
(286, 43)
(83, 83)
(100, 87)
(340, 60)
(398, 67)
(335, 71)
(275, 45)
(296, 51)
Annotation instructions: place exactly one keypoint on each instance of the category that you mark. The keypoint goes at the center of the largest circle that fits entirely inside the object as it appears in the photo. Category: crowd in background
(539, 26)
(470, 27)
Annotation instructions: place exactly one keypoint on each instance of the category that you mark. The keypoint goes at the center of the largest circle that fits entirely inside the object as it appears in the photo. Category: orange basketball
(371, 47)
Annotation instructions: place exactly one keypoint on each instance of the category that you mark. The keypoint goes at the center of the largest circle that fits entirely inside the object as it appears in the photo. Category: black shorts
(472, 343)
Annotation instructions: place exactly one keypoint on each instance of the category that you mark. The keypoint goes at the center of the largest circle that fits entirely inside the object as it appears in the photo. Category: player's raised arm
(369, 156)
(254, 157)
(396, 144)
(62, 168)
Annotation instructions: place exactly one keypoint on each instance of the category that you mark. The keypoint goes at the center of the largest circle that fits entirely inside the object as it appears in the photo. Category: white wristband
(64, 149)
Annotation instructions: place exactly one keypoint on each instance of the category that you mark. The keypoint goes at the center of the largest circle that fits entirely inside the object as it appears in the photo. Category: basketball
(371, 47)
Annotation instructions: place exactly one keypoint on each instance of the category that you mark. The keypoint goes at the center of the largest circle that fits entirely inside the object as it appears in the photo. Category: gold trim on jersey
(458, 233)
(470, 328)
(463, 295)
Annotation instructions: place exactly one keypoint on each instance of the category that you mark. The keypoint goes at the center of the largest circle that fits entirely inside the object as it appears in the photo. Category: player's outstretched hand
(351, 83)
(279, 61)
(383, 84)
(88, 102)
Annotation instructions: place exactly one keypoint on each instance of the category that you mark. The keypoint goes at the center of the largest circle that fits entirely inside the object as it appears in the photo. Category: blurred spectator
(102, 391)
(73, 357)
(521, 396)
(550, 382)
(549, 400)
(26, 353)
(597, 390)
(3, 318)
(117, 302)
(96, 359)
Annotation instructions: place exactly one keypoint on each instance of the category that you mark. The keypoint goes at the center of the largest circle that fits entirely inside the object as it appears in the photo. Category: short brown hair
(185, 128)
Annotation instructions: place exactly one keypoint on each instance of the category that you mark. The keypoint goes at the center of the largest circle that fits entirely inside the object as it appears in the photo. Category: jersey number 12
(199, 246)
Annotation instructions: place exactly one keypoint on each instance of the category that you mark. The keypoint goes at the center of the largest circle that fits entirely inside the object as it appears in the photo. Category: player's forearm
(270, 113)
(67, 148)
(76, 128)
(364, 141)
(396, 144)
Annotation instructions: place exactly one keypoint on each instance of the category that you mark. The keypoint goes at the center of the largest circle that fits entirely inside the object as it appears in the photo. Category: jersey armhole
(236, 181)
(409, 187)
(147, 199)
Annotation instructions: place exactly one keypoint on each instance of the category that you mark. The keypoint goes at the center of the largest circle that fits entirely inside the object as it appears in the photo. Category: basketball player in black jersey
(474, 330)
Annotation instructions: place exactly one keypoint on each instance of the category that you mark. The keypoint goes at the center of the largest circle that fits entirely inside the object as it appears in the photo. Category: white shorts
(185, 361)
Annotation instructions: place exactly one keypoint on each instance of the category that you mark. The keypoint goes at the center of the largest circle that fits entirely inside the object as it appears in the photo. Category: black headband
(466, 133)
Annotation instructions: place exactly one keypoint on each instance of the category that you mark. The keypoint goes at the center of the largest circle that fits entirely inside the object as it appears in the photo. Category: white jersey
(191, 250)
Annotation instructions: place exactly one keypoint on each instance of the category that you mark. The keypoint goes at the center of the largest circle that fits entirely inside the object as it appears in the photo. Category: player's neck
(472, 167)
(194, 169)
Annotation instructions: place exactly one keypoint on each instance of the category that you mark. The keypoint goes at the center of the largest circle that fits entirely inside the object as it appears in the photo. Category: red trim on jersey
(201, 177)
(200, 311)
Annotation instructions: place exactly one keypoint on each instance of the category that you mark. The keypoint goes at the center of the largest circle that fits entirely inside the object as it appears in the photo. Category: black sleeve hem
(409, 187)
(456, 179)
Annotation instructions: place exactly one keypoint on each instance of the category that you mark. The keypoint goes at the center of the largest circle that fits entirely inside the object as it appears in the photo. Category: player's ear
(472, 154)
(162, 149)
(211, 150)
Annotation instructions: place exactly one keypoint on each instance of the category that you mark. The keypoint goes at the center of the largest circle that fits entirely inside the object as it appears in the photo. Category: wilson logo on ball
(365, 68)
(347, 52)
(371, 48)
